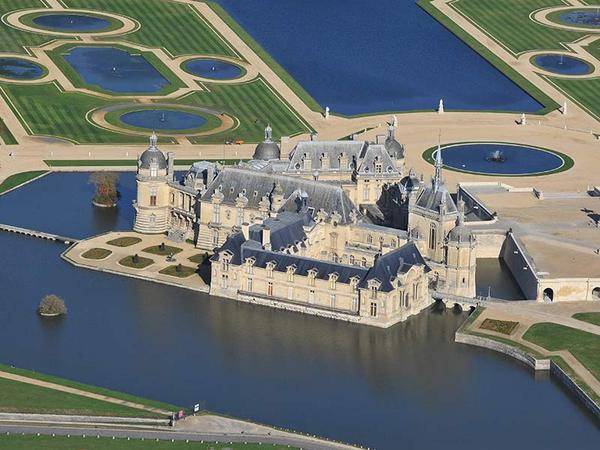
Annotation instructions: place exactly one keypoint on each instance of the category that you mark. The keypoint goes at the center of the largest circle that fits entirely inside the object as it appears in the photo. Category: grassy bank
(85, 387)
(6, 135)
(506, 69)
(591, 317)
(17, 442)
(18, 179)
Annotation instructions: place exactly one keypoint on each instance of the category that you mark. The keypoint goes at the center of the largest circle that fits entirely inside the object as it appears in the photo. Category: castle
(338, 229)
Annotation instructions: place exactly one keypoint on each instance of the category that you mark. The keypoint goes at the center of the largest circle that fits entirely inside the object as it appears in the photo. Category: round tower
(460, 258)
(152, 205)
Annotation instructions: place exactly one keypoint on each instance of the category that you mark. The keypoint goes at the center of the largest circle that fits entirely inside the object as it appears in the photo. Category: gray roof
(235, 180)
(314, 150)
(432, 196)
(388, 266)
(267, 150)
(376, 153)
(152, 155)
(287, 229)
(460, 233)
(394, 148)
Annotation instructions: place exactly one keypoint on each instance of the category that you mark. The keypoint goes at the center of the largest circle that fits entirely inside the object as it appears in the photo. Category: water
(163, 119)
(71, 22)
(20, 69)
(562, 64)
(362, 57)
(115, 70)
(494, 274)
(407, 387)
(518, 159)
(583, 17)
(213, 68)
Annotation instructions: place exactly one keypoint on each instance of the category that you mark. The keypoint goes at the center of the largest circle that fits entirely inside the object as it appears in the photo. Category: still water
(359, 56)
(407, 387)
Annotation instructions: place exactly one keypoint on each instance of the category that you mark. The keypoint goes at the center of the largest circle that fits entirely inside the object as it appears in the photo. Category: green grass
(57, 55)
(13, 40)
(18, 442)
(6, 135)
(508, 22)
(173, 26)
(590, 317)
(18, 179)
(254, 104)
(96, 253)
(141, 262)
(165, 251)
(89, 388)
(582, 345)
(267, 58)
(199, 258)
(548, 103)
(183, 272)
(568, 161)
(584, 92)
(27, 398)
(499, 326)
(46, 110)
(28, 19)
(125, 241)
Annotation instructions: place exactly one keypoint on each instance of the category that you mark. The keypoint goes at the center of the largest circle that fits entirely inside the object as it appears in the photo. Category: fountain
(496, 156)
(582, 18)
(213, 68)
(164, 119)
(72, 23)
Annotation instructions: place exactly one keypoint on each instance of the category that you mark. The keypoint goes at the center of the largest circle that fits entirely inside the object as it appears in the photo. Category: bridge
(465, 302)
(38, 234)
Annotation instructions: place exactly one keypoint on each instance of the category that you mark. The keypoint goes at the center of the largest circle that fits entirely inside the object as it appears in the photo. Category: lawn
(176, 27)
(6, 135)
(582, 345)
(18, 179)
(88, 388)
(44, 109)
(163, 250)
(27, 398)
(508, 22)
(136, 262)
(18, 442)
(96, 253)
(179, 271)
(255, 104)
(585, 92)
(125, 241)
(590, 317)
(199, 258)
(499, 326)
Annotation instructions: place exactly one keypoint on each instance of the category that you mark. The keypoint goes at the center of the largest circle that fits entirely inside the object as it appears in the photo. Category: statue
(153, 139)
(327, 112)
(523, 119)
(395, 121)
(268, 133)
(564, 108)
(441, 107)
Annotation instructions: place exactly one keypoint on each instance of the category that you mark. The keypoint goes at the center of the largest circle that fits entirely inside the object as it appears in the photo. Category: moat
(379, 388)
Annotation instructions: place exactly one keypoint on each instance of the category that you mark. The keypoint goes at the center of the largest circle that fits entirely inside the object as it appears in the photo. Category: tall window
(333, 240)
(216, 237)
(351, 259)
(432, 237)
(373, 292)
(240, 216)
(153, 171)
(249, 285)
(369, 239)
(225, 264)
(216, 213)
(270, 288)
(311, 296)
(355, 302)
(153, 197)
(291, 292)
(224, 280)
(332, 300)
(366, 192)
(373, 309)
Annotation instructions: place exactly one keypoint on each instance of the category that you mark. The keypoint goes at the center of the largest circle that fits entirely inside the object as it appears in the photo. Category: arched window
(369, 239)
(432, 237)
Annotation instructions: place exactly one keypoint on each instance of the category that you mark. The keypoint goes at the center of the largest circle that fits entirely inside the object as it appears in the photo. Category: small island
(52, 306)
(107, 194)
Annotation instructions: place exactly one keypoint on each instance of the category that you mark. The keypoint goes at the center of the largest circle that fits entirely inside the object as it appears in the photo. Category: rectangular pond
(360, 57)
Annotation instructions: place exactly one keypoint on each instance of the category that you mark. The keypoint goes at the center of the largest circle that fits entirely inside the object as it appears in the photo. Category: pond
(20, 69)
(360, 57)
(408, 387)
(215, 69)
(500, 159)
(71, 22)
(582, 17)
(163, 119)
(562, 64)
(115, 70)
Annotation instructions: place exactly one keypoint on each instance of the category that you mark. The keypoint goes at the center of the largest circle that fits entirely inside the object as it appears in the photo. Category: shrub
(51, 304)
(106, 188)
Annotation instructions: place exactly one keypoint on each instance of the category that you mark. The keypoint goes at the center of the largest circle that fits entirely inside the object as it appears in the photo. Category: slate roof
(376, 153)
(234, 180)
(386, 267)
(287, 229)
(430, 199)
(314, 149)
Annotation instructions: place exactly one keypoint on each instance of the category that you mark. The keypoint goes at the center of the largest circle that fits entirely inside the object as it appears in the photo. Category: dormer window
(378, 167)
(250, 265)
(291, 270)
(312, 274)
(270, 266)
(333, 277)
(255, 194)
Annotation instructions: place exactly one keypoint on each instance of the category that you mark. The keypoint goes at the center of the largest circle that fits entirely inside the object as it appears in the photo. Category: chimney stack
(266, 238)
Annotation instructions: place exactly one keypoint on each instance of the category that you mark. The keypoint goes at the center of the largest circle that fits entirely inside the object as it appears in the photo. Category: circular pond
(213, 68)
(71, 22)
(163, 119)
(582, 17)
(501, 159)
(562, 64)
(20, 69)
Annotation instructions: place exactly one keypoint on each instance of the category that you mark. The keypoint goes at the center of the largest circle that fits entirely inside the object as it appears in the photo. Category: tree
(52, 305)
(106, 188)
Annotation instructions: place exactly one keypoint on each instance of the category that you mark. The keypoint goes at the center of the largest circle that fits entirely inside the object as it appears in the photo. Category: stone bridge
(38, 234)
(465, 302)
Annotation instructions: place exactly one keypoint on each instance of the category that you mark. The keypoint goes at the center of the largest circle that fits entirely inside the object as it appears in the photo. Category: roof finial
(437, 179)
(153, 139)
(268, 133)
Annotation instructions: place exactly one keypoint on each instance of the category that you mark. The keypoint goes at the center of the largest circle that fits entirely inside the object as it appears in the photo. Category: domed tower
(153, 175)
(394, 148)
(460, 257)
(267, 149)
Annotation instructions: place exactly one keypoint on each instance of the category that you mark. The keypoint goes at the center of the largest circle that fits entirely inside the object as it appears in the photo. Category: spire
(268, 133)
(394, 121)
(437, 179)
(460, 221)
(153, 140)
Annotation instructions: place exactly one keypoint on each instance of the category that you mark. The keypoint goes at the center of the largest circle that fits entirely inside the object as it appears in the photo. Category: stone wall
(521, 267)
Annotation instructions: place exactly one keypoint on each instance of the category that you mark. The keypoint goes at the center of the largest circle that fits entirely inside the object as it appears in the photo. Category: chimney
(246, 230)
(314, 136)
(266, 238)
(380, 139)
(171, 165)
